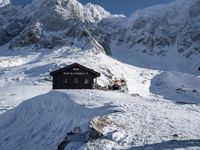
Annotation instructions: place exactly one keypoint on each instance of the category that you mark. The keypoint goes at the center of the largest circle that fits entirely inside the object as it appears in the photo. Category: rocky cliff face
(51, 23)
(154, 31)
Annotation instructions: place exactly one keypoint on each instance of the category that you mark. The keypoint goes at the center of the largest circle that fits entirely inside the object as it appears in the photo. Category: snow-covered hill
(147, 115)
(43, 121)
(156, 50)
(53, 119)
(4, 3)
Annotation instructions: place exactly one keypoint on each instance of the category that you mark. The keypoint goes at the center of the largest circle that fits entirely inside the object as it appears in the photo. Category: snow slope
(147, 117)
(177, 86)
(37, 65)
(43, 121)
(149, 124)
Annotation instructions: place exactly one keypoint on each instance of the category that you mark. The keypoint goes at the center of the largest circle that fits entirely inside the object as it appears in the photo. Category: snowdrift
(43, 121)
(176, 86)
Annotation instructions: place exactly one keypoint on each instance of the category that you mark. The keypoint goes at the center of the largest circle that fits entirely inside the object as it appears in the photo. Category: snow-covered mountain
(4, 3)
(158, 28)
(168, 31)
(156, 50)
(51, 23)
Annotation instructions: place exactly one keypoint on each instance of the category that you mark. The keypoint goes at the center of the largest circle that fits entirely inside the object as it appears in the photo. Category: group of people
(118, 84)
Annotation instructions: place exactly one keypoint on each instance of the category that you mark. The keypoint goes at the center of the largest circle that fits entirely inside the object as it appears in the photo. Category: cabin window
(86, 81)
(65, 81)
(75, 80)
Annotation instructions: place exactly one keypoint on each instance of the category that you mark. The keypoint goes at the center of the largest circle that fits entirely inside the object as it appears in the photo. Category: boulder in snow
(96, 127)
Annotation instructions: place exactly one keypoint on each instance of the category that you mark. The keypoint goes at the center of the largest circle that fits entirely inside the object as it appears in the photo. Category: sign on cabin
(74, 76)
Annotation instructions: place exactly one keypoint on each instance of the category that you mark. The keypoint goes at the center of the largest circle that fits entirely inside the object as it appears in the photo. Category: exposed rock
(56, 22)
(12, 30)
(96, 126)
(157, 30)
(152, 31)
(29, 36)
(2, 21)
(51, 43)
(104, 41)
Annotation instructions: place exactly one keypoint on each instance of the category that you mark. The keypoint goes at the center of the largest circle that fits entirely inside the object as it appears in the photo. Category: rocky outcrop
(95, 12)
(12, 30)
(155, 30)
(95, 131)
(54, 23)
(96, 127)
(28, 37)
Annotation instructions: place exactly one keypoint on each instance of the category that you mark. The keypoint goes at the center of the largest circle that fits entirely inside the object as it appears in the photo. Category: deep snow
(141, 117)
(42, 122)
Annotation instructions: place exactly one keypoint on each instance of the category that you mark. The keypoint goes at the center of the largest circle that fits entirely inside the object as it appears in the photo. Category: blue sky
(114, 6)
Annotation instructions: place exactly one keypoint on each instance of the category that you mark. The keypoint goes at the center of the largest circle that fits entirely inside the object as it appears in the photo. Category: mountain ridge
(160, 31)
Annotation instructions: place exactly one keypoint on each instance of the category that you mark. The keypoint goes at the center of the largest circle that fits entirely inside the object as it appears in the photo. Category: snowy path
(146, 121)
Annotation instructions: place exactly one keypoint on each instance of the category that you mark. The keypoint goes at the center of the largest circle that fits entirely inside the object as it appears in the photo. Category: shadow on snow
(173, 144)
(43, 121)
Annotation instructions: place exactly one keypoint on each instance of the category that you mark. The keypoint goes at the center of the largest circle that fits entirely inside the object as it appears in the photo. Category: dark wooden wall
(78, 73)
